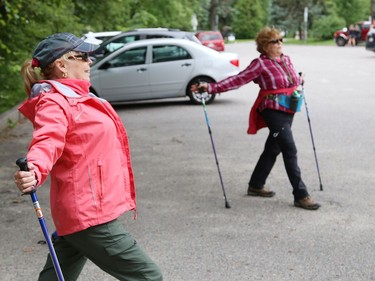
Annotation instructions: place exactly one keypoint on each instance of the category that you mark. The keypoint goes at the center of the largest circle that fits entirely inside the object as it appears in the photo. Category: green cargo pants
(107, 245)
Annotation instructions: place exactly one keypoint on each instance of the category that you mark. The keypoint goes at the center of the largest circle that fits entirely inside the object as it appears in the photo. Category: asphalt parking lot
(182, 222)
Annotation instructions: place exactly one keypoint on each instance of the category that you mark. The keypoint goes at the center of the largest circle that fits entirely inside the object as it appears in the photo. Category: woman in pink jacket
(80, 141)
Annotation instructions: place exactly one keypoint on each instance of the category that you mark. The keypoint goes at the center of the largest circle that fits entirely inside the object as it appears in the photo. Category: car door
(125, 77)
(170, 70)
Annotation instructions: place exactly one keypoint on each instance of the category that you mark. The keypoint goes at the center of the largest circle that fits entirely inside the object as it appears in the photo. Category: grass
(310, 42)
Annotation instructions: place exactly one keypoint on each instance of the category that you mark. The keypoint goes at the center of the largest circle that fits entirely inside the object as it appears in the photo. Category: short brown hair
(264, 36)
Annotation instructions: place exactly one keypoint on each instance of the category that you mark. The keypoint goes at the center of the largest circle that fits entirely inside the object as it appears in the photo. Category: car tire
(196, 98)
(341, 42)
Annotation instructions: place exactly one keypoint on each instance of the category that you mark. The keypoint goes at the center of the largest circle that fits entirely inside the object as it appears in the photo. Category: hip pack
(293, 102)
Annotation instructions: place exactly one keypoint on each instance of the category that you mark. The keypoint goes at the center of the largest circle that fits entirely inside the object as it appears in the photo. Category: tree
(249, 19)
(172, 13)
(23, 23)
(323, 27)
(214, 22)
(353, 10)
(289, 14)
(103, 15)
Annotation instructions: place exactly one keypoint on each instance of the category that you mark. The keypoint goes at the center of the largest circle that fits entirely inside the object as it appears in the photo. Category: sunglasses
(275, 41)
(83, 57)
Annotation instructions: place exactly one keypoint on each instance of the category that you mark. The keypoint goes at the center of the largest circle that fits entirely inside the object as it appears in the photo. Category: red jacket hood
(27, 108)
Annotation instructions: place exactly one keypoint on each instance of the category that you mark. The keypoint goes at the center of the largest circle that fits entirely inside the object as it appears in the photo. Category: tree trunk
(213, 14)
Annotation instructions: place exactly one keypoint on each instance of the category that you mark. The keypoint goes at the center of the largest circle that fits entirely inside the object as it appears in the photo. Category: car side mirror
(93, 59)
(105, 65)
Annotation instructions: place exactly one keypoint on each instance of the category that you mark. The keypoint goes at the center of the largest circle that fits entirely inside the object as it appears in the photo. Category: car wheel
(196, 98)
(341, 42)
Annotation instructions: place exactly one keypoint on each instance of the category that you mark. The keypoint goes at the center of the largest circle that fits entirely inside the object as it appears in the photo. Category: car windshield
(113, 45)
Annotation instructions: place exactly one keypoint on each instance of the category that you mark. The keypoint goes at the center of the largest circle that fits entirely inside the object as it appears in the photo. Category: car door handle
(185, 64)
(142, 69)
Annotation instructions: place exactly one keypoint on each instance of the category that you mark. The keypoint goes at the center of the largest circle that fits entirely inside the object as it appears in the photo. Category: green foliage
(353, 10)
(143, 19)
(166, 13)
(99, 16)
(24, 24)
(324, 17)
(249, 19)
(11, 91)
(323, 28)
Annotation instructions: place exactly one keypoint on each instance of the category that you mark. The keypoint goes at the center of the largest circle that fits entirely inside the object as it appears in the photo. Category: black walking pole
(22, 163)
(203, 95)
(311, 133)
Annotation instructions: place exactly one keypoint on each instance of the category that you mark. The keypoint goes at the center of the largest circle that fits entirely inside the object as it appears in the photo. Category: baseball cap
(56, 45)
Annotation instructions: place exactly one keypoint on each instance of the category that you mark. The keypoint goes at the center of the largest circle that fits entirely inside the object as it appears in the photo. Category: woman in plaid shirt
(274, 73)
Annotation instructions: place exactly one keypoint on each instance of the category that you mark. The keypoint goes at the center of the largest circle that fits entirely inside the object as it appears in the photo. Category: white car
(98, 37)
(159, 68)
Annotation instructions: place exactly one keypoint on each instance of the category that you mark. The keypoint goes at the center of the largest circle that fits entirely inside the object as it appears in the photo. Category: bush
(249, 20)
(11, 90)
(324, 27)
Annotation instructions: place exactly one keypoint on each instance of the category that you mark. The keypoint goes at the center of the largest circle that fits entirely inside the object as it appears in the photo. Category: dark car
(116, 42)
(341, 36)
(370, 39)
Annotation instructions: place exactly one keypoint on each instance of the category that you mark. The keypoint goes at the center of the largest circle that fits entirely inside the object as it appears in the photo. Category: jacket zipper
(101, 177)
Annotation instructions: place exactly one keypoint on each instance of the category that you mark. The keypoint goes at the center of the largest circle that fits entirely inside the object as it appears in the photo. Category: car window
(169, 53)
(208, 37)
(119, 42)
(366, 26)
(151, 36)
(193, 38)
(134, 56)
(103, 38)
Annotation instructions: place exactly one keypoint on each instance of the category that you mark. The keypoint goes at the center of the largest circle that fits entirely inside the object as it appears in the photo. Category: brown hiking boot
(262, 192)
(307, 203)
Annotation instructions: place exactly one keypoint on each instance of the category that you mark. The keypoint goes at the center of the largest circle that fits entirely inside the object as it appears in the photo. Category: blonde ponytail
(29, 75)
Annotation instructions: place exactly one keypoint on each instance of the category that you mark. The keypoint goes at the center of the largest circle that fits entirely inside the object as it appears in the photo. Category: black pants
(280, 139)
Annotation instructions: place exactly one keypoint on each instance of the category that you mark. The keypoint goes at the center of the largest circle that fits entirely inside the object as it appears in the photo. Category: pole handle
(22, 163)
(300, 75)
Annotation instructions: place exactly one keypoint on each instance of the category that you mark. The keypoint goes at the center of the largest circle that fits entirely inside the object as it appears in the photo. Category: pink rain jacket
(79, 141)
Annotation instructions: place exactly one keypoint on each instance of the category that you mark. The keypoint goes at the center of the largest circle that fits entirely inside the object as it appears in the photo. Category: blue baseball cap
(56, 45)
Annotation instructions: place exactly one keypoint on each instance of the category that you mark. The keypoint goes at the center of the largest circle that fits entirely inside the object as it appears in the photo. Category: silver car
(158, 69)
(116, 42)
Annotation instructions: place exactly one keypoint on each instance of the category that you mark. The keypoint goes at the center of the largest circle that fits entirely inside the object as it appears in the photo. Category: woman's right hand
(26, 180)
(201, 87)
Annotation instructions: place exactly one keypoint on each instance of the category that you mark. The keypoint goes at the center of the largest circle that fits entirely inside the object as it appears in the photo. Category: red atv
(341, 37)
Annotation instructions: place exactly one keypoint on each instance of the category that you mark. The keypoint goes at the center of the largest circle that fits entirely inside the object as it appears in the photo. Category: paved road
(182, 222)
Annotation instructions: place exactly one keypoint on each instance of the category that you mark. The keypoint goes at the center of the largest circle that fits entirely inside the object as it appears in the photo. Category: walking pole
(203, 96)
(311, 133)
(22, 163)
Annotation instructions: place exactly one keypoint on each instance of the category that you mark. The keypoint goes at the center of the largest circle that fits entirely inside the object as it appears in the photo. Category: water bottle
(294, 100)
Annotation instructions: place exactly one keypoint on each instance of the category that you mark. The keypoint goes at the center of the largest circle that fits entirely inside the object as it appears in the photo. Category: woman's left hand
(26, 180)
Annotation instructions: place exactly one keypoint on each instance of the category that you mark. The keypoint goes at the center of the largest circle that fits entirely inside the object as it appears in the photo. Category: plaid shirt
(268, 73)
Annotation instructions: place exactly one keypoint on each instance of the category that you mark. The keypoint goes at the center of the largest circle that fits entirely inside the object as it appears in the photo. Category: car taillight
(235, 62)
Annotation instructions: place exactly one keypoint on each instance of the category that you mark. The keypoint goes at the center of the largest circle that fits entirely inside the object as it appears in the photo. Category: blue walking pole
(203, 96)
(311, 133)
(22, 163)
